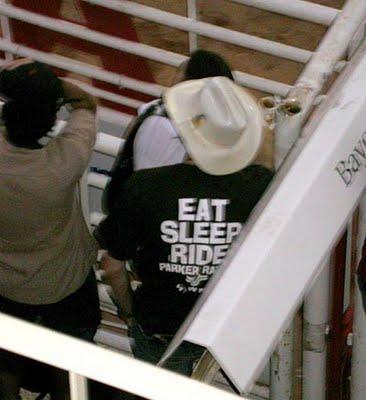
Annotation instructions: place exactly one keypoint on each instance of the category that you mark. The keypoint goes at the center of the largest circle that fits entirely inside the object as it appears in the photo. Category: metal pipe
(269, 106)
(262, 84)
(96, 180)
(205, 29)
(6, 32)
(81, 68)
(301, 97)
(149, 52)
(304, 10)
(108, 144)
(85, 33)
(106, 366)
(357, 40)
(160, 55)
(110, 96)
(282, 367)
(349, 272)
(331, 49)
(316, 307)
(192, 14)
(251, 81)
(287, 129)
(335, 340)
(114, 340)
(282, 359)
(358, 372)
(78, 387)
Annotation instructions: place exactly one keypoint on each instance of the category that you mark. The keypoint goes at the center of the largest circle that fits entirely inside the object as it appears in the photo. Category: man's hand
(78, 97)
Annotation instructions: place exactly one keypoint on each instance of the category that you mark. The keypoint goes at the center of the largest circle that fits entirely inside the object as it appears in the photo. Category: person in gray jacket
(46, 250)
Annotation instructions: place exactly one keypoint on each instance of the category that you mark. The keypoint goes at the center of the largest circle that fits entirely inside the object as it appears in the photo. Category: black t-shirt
(177, 224)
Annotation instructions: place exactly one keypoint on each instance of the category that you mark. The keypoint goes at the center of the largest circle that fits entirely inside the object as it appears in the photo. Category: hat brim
(181, 102)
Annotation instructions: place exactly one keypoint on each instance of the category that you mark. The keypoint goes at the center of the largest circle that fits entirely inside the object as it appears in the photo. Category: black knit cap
(30, 84)
(32, 95)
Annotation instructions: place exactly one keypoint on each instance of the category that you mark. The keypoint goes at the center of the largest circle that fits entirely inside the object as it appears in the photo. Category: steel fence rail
(192, 14)
(262, 84)
(71, 65)
(96, 180)
(149, 52)
(205, 29)
(300, 9)
(329, 52)
(110, 96)
(108, 144)
(6, 32)
(100, 364)
(313, 77)
(82, 32)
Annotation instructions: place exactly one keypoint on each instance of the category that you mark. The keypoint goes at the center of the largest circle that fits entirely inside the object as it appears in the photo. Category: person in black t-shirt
(151, 139)
(177, 222)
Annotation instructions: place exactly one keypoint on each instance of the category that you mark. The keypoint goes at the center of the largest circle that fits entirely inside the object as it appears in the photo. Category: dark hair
(33, 96)
(206, 64)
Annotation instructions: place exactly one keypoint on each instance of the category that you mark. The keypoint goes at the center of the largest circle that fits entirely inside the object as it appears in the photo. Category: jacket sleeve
(70, 151)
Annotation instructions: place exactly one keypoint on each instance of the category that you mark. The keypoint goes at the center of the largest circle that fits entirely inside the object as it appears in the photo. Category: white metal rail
(330, 50)
(205, 29)
(71, 65)
(295, 8)
(6, 32)
(160, 54)
(72, 29)
(149, 52)
(110, 96)
(192, 14)
(102, 365)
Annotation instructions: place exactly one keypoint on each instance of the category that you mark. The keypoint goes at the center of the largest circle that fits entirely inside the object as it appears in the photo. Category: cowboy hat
(219, 122)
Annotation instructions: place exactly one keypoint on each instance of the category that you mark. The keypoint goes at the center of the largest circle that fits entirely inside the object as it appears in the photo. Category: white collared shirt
(157, 142)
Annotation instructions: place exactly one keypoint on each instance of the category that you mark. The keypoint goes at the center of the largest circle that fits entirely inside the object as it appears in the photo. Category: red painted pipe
(336, 343)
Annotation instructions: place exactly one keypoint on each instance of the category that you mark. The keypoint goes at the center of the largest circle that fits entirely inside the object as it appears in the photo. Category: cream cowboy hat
(220, 123)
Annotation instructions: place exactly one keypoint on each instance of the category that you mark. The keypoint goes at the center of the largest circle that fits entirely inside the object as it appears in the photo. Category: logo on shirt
(199, 240)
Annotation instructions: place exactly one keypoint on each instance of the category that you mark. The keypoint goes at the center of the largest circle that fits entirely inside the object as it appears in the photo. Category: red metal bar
(336, 338)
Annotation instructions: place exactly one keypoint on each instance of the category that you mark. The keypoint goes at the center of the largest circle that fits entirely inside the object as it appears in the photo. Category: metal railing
(87, 360)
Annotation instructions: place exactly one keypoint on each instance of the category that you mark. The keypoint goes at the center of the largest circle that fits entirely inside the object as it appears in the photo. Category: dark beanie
(33, 95)
(31, 84)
